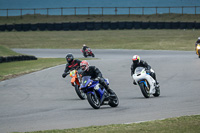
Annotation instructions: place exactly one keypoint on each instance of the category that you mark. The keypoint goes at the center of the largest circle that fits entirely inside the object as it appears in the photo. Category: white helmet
(136, 59)
(198, 38)
(84, 65)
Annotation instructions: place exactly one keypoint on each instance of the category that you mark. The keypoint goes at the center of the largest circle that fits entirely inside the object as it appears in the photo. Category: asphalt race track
(43, 100)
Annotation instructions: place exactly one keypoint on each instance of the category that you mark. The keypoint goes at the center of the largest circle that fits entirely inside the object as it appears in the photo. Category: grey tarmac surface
(43, 100)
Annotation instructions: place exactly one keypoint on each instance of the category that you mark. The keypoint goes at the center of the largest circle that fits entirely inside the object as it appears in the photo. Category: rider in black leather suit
(140, 63)
(95, 74)
(72, 64)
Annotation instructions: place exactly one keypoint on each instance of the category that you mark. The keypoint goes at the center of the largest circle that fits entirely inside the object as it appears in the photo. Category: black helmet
(69, 58)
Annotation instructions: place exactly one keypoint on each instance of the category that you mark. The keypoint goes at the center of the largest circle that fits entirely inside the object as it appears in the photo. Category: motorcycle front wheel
(145, 90)
(80, 94)
(198, 53)
(93, 101)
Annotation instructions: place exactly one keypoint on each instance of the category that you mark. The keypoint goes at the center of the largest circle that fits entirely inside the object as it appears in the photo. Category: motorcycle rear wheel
(157, 93)
(114, 102)
(80, 94)
(85, 55)
(144, 90)
(93, 101)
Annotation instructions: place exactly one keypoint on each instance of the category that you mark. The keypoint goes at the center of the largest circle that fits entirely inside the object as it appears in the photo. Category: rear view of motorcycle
(146, 83)
(97, 95)
(87, 52)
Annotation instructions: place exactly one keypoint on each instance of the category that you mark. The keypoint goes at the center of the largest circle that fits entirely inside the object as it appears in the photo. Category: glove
(97, 78)
(80, 71)
(64, 75)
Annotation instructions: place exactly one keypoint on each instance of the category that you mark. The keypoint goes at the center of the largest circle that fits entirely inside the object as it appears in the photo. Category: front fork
(146, 84)
(101, 93)
(150, 87)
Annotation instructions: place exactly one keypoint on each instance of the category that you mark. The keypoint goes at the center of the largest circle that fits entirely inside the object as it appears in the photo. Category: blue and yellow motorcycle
(97, 94)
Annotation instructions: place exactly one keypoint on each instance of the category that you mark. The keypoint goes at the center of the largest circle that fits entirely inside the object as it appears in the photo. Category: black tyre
(85, 55)
(114, 101)
(93, 55)
(145, 90)
(80, 94)
(157, 93)
(93, 101)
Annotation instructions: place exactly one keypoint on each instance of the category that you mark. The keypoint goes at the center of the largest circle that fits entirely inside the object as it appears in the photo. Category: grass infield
(109, 39)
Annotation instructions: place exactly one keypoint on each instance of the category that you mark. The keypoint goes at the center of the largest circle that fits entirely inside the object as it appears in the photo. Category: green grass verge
(98, 18)
(13, 69)
(110, 39)
(184, 124)
(5, 51)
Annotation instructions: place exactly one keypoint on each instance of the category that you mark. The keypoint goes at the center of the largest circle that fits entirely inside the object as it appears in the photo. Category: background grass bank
(98, 18)
(103, 39)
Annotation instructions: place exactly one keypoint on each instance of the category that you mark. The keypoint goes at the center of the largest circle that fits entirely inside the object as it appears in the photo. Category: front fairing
(75, 77)
(91, 86)
(139, 74)
(141, 77)
(139, 70)
(198, 49)
(85, 81)
(72, 73)
(88, 83)
(198, 46)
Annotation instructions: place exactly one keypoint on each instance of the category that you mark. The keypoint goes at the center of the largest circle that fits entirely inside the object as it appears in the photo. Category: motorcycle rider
(137, 62)
(84, 48)
(95, 74)
(72, 64)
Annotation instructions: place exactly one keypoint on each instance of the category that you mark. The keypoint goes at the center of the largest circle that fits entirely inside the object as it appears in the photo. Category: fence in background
(99, 26)
(101, 11)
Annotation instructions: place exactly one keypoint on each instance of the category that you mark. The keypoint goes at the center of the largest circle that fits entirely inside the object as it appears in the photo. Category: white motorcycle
(146, 82)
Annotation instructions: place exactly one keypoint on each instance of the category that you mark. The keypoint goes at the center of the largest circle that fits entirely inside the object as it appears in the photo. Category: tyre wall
(16, 58)
(99, 26)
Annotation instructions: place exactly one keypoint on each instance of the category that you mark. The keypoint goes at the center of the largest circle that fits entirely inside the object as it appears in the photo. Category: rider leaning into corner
(84, 48)
(71, 64)
(95, 74)
(137, 62)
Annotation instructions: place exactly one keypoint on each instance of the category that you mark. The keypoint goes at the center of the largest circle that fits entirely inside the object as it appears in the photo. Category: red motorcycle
(88, 52)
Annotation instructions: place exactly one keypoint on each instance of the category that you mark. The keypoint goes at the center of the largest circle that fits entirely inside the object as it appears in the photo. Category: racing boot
(134, 82)
(157, 86)
(107, 88)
